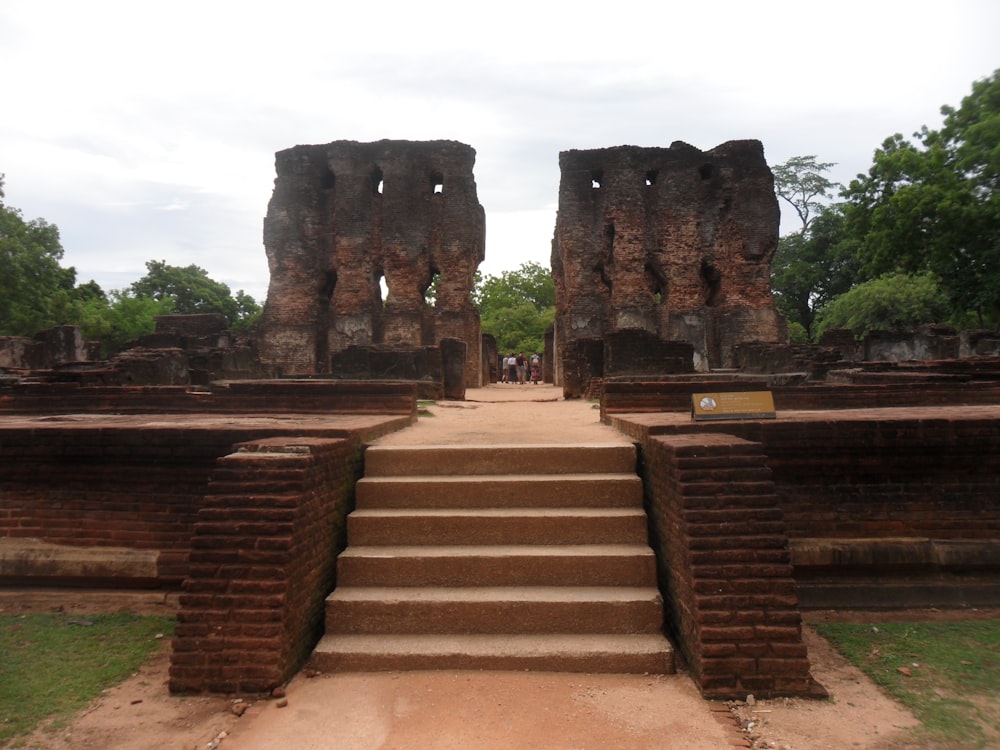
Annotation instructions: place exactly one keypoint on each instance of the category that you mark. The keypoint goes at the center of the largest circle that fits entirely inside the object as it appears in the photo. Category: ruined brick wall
(724, 565)
(673, 241)
(263, 560)
(346, 215)
(110, 488)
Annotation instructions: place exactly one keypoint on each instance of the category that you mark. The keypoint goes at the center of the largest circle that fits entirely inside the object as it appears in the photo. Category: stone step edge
(540, 594)
(569, 476)
(499, 550)
(503, 645)
(529, 512)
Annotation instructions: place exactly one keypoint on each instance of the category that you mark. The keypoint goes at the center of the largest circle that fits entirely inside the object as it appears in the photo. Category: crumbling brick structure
(344, 217)
(675, 242)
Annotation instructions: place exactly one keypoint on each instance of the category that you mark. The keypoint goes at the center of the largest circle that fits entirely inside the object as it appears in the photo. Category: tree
(814, 264)
(933, 206)
(893, 302)
(517, 307)
(35, 290)
(191, 291)
(801, 182)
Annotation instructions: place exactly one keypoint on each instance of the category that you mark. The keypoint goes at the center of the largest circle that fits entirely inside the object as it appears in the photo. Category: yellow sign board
(733, 405)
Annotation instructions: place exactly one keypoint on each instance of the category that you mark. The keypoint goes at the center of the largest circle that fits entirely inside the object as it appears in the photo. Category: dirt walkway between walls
(482, 710)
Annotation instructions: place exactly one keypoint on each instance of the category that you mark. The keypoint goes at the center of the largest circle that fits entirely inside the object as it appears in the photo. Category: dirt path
(483, 710)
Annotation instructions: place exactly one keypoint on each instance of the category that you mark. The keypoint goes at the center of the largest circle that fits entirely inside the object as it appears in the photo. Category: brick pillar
(262, 562)
(724, 566)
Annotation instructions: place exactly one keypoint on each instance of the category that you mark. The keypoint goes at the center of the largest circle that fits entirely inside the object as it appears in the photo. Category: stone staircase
(500, 558)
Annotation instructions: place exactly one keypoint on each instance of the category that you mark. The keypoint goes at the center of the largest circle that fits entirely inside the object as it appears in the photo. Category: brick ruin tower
(664, 245)
(346, 216)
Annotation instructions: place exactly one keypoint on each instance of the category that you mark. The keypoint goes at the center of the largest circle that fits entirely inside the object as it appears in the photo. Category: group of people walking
(520, 369)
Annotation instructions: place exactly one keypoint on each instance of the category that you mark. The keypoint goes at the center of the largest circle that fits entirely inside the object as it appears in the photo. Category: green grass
(53, 665)
(950, 674)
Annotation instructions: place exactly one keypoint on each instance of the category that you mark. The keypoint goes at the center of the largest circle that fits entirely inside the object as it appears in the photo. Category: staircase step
(507, 609)
(602, 458)
(501, 491)
(498, 565)
(397, 526)
(598, 653)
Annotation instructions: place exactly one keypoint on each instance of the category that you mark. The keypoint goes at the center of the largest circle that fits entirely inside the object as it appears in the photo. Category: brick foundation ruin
(674, 243)
(876, 485)
(344, 217)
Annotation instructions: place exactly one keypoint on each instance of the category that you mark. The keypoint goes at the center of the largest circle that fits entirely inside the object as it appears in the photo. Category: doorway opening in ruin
(596, 177)
(378, 182)
(705, 171)
(651, 176)
(437, 183)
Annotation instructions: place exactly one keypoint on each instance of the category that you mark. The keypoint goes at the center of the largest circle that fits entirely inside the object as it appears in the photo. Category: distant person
(535, 365)
(512, 368)
(521, 366)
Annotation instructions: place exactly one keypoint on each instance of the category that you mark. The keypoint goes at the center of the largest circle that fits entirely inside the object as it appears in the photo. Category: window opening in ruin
(712, 277)
(596, 177)
(705, 170)
(651, 176)
(656, 282)
(383, 287)
(377, 181)
(430, 292)
(437, 183)
(329, 179)
(329, 284)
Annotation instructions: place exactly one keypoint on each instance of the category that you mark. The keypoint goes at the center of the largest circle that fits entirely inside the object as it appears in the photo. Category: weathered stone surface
(672, 241)
(346, 216)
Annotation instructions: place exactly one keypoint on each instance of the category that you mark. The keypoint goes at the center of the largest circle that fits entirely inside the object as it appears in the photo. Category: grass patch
(946, 673)
(53, 665)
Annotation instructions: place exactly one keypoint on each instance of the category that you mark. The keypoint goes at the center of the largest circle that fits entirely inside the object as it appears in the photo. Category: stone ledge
(24, 558)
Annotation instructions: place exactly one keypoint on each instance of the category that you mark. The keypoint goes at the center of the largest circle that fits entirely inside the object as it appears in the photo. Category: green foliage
(517, 307)
(120, 317)
(191, 291)
(947, 673)
(812, 267)
(53, 665)
(893, 302)
(933, 206)
(797, 334)
(35, 290)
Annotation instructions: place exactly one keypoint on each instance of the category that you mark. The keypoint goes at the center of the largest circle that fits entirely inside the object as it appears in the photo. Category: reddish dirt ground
(482, 710)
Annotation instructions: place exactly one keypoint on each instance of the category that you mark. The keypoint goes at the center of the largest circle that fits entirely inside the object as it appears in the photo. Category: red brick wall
(262, 562)
(619, 397)
(132, 488)
(238, 397)
(918, 474)
(724, 565)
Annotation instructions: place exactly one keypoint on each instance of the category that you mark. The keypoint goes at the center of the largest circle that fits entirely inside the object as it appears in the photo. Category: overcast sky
(148, 130)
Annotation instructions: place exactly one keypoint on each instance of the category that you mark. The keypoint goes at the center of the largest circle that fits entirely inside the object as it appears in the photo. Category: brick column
(262, 561)
(724, 565)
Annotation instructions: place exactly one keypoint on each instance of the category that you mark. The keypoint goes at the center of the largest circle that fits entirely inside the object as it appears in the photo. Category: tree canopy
(922, 226)
(35, 289)
(516, 307)
(933, 206)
